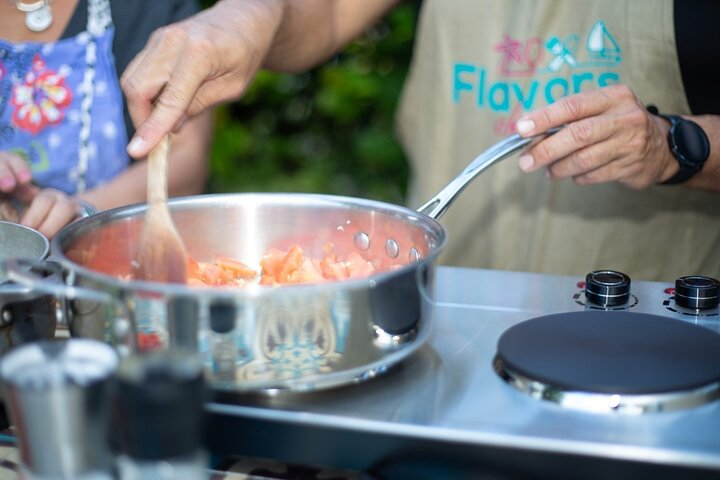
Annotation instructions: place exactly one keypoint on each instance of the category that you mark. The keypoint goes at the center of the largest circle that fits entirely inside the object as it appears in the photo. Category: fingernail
(7, 183)
(525, 162)
(135, 146)
(525, 126)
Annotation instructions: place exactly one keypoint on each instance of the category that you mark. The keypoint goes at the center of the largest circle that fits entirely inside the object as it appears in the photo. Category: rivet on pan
(413, 256)
(6, 318)
(391, 248)
(121, 329)
(362, 241)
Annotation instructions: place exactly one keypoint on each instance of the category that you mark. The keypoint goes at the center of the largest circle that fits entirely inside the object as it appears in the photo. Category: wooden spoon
(160, 256)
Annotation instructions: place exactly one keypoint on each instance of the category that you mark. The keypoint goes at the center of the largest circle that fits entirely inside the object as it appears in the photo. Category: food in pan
(279, 267)
(275, 267)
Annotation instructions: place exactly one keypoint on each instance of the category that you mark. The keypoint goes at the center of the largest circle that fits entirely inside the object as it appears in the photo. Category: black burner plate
(612, 352)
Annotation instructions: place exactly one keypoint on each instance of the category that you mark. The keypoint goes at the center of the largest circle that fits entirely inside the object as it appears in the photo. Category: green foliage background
(329, 130)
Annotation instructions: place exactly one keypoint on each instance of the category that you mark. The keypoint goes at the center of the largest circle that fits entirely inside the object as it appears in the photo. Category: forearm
(212, 57)
(709, 177)
(310, 31)
(187, 169)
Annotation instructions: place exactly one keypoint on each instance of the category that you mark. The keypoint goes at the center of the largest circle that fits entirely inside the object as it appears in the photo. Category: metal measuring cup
(55, 391)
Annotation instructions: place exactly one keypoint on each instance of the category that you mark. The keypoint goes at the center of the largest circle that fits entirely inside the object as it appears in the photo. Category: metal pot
(25, 314)
(300, 337)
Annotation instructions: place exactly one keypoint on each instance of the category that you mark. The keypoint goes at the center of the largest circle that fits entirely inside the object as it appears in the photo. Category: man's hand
(609, 136)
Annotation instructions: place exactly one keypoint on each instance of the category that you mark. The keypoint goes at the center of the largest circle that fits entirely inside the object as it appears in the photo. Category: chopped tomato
(214, 275)
(292, 262)
(196, 282)
(148, 341)
(193, 269)
(237, 268)
(271, 262)
(278, 267)
(270, 265)
(306, 273)
(331, 268)
(358, 267)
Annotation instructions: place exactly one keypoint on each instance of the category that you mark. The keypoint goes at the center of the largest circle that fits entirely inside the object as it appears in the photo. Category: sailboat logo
(602, 48)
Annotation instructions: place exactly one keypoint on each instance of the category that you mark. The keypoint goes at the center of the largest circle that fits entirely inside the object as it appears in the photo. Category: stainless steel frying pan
(300, 337)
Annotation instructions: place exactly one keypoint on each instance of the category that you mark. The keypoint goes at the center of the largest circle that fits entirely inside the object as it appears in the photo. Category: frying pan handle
(47, 276)
(438, 204)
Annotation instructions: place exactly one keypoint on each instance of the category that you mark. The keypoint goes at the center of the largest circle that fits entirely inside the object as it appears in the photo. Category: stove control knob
(607, 288)
(697, 292)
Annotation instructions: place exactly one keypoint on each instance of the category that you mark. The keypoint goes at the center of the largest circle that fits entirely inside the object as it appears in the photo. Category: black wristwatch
(688, 143)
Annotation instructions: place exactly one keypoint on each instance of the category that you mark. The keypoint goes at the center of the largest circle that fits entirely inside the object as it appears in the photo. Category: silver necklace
(38, 14)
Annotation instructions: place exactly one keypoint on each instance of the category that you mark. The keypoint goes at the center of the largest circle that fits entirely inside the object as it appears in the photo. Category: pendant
(40, 19)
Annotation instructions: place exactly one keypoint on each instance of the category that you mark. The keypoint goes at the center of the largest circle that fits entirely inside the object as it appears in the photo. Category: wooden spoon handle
(158, 172)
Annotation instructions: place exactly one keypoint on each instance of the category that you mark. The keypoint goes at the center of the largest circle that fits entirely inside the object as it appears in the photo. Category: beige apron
(478, 66)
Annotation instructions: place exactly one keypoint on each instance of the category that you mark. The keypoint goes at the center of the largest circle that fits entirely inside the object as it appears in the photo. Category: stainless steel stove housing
(445, 413)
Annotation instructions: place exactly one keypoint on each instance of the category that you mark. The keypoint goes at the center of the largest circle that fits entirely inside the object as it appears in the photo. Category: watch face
(690, 142)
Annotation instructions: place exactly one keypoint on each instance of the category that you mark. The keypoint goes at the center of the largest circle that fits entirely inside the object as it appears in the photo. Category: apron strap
(99, 20)
(99, 17)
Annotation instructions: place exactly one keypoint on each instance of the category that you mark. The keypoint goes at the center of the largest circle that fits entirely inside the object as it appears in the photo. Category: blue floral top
(61, 106)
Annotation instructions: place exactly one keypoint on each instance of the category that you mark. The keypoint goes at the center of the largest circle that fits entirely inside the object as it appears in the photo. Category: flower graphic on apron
(40, 99)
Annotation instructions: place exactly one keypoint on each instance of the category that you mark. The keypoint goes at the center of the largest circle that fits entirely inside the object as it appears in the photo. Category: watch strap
(685, 172)
(687, 167)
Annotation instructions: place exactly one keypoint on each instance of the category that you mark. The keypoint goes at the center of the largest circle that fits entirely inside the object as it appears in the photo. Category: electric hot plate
(611, 360)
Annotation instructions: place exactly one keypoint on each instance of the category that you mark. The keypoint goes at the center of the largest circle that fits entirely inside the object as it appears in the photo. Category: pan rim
(76, 229)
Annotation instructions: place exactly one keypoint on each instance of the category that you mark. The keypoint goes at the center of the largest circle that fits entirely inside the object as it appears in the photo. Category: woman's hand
(213, 56)
(608, 136)
(14, 172)
(47, 210)
(188, 66)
